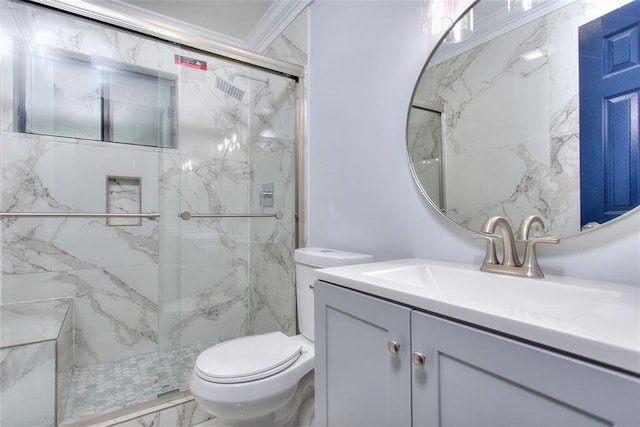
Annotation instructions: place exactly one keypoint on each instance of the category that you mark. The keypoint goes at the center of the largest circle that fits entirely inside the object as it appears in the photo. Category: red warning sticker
(190, 62)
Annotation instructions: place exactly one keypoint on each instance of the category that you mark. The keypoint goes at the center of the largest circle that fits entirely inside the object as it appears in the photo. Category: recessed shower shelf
(124, 195)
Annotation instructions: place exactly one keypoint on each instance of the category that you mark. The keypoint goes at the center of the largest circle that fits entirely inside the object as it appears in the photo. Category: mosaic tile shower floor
(110, 386)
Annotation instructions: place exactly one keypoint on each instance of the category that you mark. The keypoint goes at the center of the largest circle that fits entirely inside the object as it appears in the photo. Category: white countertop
(596, 320)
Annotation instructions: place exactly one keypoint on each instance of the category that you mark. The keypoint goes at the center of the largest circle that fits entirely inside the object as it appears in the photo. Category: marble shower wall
(292, 46)
(273, 241)
(534, 140)
(111, 272)
(165, 283)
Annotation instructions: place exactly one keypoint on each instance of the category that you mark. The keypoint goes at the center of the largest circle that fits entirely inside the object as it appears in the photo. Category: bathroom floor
(109, 386)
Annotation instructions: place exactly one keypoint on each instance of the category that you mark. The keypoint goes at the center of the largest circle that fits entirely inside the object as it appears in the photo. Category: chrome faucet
(530, 261)
(510, 255)
(510, 262)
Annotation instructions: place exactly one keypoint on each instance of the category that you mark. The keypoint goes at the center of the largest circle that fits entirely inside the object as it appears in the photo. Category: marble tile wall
(541, 156)
(111, 272)
(273, 158)
(165, 283)
(292, 46)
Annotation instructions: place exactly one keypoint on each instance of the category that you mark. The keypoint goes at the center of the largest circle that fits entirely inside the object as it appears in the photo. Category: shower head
(229, 89)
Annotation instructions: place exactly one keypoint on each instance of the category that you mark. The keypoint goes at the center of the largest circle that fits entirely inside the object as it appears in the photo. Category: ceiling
(232, 18)
(250, 24)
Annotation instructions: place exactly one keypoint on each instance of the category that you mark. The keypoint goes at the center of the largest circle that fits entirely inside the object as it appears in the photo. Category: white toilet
(267, 380)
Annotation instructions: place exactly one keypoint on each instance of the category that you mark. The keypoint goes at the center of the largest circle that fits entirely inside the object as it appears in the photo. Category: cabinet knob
(393, 346)
(418, 358)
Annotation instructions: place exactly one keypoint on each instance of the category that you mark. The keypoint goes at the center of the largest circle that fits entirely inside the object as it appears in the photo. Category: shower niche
(124, 197)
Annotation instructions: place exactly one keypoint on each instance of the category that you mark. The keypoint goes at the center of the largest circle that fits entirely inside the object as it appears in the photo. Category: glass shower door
(81, 138)
(237, 161)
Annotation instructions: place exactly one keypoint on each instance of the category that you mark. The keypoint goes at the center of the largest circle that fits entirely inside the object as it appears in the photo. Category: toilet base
(305, 411)
(297, 412)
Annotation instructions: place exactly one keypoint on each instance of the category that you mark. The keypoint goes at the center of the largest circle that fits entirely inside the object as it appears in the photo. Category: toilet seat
(248, 358)
(254, 398)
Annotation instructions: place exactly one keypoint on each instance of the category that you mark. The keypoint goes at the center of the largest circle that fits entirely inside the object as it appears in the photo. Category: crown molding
(266, 31)
(273, 23)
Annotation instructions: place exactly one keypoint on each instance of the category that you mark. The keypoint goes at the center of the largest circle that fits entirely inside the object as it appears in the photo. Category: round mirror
(535, 113)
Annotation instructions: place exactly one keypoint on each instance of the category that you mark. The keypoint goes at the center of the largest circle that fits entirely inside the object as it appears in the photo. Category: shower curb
(134, 411)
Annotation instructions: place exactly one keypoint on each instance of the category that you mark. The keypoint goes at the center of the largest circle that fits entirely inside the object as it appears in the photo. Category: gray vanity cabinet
(469, 377)
(361, 382)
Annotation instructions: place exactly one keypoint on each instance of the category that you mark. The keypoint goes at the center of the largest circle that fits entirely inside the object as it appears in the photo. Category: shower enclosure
(425, 144)
(148, 211)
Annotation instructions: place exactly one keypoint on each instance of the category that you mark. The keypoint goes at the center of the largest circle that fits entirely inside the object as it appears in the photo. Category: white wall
(364, 59)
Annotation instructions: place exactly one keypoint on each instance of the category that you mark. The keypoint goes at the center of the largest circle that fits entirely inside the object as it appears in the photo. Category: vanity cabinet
(445, 373)
(364, 383)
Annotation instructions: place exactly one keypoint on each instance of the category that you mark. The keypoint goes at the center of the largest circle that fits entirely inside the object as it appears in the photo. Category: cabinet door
(475, 378)
(359, 381)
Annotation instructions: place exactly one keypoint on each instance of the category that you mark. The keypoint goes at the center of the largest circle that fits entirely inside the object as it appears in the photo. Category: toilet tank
(307, 260)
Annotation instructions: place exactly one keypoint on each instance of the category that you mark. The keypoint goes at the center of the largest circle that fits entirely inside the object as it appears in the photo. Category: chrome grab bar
(149, 215)
(186, 215)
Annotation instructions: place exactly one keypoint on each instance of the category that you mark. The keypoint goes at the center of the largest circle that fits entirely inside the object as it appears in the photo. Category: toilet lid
(247, 358)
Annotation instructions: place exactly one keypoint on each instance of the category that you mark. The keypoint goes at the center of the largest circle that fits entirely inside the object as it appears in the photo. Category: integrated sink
(539, 296)
(596, 320)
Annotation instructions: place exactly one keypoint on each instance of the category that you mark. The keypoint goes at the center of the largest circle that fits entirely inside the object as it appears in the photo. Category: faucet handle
(490, 257)
(547, 239)
(530, 262)
(486, 236)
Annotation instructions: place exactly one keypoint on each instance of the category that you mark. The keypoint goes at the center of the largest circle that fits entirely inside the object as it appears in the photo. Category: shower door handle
(186, 215)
